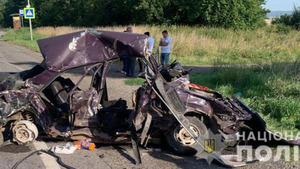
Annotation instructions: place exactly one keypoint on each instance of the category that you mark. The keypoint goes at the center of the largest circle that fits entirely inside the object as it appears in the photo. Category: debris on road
(84, 144)
(167, 106)
(69, 148)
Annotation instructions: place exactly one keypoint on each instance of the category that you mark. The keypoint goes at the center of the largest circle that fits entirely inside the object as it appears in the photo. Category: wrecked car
(41, 102)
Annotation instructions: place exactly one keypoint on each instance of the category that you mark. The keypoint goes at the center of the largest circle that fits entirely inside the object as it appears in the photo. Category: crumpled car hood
(88, 47)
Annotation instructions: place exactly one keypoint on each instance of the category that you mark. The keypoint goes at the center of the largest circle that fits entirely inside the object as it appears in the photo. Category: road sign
(29, 13)
(21, 12)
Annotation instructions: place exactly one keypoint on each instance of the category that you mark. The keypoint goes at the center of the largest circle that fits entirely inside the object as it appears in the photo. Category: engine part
(24, 132)
(28, 116)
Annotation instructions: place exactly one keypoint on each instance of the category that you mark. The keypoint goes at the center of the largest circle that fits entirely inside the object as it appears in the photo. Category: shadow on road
(184, 161)
(25, 63)
(123, 153)
(14, 148)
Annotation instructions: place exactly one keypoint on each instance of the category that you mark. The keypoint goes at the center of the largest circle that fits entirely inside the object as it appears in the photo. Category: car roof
(89, 47)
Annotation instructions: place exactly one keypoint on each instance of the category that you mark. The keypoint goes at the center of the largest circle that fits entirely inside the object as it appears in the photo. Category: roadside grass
(134, 81)
(273, 90)
(22, 37)
(194, 45)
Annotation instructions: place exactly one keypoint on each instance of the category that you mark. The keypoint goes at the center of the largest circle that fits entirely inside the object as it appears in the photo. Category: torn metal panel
(89, 47)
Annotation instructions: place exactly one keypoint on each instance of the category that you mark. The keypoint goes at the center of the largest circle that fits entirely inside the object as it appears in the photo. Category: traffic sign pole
(30, 25)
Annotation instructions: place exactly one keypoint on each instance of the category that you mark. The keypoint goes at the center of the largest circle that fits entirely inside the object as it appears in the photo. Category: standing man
(131, 59)
(165, 44)
(129, 29)
(150, 44)
(126, 59)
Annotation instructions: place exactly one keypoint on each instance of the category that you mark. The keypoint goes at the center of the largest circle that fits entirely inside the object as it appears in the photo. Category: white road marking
(49, 162)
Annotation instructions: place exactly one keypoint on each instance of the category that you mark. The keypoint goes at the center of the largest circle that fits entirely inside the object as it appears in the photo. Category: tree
(238, 14)
(290, 20)
(149, 11)
(2, 2)
(10, 7)
(295, 18)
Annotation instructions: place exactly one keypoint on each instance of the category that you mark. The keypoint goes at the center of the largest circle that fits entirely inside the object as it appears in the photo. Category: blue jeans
(131, 67)
(165, 58)
(125, 64)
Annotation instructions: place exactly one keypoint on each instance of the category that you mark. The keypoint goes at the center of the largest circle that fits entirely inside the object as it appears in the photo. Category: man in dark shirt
(131, 60)
(126, 59)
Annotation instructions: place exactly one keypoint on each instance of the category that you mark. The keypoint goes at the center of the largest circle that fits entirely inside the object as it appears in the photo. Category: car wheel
(180, 142)
(1, 139)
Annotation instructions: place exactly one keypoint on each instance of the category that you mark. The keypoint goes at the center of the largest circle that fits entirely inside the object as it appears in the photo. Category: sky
(281, 5)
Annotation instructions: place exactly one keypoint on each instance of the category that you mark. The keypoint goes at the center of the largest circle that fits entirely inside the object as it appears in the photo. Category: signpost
(21, 14)
(29, 13)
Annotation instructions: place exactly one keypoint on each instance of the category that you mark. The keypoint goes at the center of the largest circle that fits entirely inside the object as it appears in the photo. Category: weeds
(22, 37)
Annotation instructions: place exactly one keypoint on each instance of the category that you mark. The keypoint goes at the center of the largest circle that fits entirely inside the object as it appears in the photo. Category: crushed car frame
(40, 101)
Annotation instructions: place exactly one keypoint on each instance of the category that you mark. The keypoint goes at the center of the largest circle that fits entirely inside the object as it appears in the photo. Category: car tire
(180, 142)
(1, 139)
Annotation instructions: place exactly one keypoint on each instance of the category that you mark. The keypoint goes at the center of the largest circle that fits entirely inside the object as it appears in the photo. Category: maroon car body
(166, 105)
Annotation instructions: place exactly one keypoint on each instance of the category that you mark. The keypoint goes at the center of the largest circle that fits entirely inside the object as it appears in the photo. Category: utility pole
(30, 25)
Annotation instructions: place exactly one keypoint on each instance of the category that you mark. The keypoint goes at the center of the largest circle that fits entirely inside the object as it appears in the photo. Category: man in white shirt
(150, 42)
(165, 44)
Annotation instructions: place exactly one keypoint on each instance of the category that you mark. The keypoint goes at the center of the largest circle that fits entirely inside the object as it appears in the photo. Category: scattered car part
(66, 149)
(24, 132)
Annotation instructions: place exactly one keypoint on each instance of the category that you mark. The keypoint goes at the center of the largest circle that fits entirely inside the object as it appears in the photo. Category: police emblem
(209, 145)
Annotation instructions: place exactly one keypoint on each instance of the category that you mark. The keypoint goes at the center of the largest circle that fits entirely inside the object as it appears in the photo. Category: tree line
(237, 14)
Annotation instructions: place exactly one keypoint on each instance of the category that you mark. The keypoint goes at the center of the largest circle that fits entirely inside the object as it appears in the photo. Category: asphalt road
(15, 58)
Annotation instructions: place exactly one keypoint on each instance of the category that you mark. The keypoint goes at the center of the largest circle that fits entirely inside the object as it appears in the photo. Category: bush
(283, 19)
(295, 19)
(290, 20)
(281, 28)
